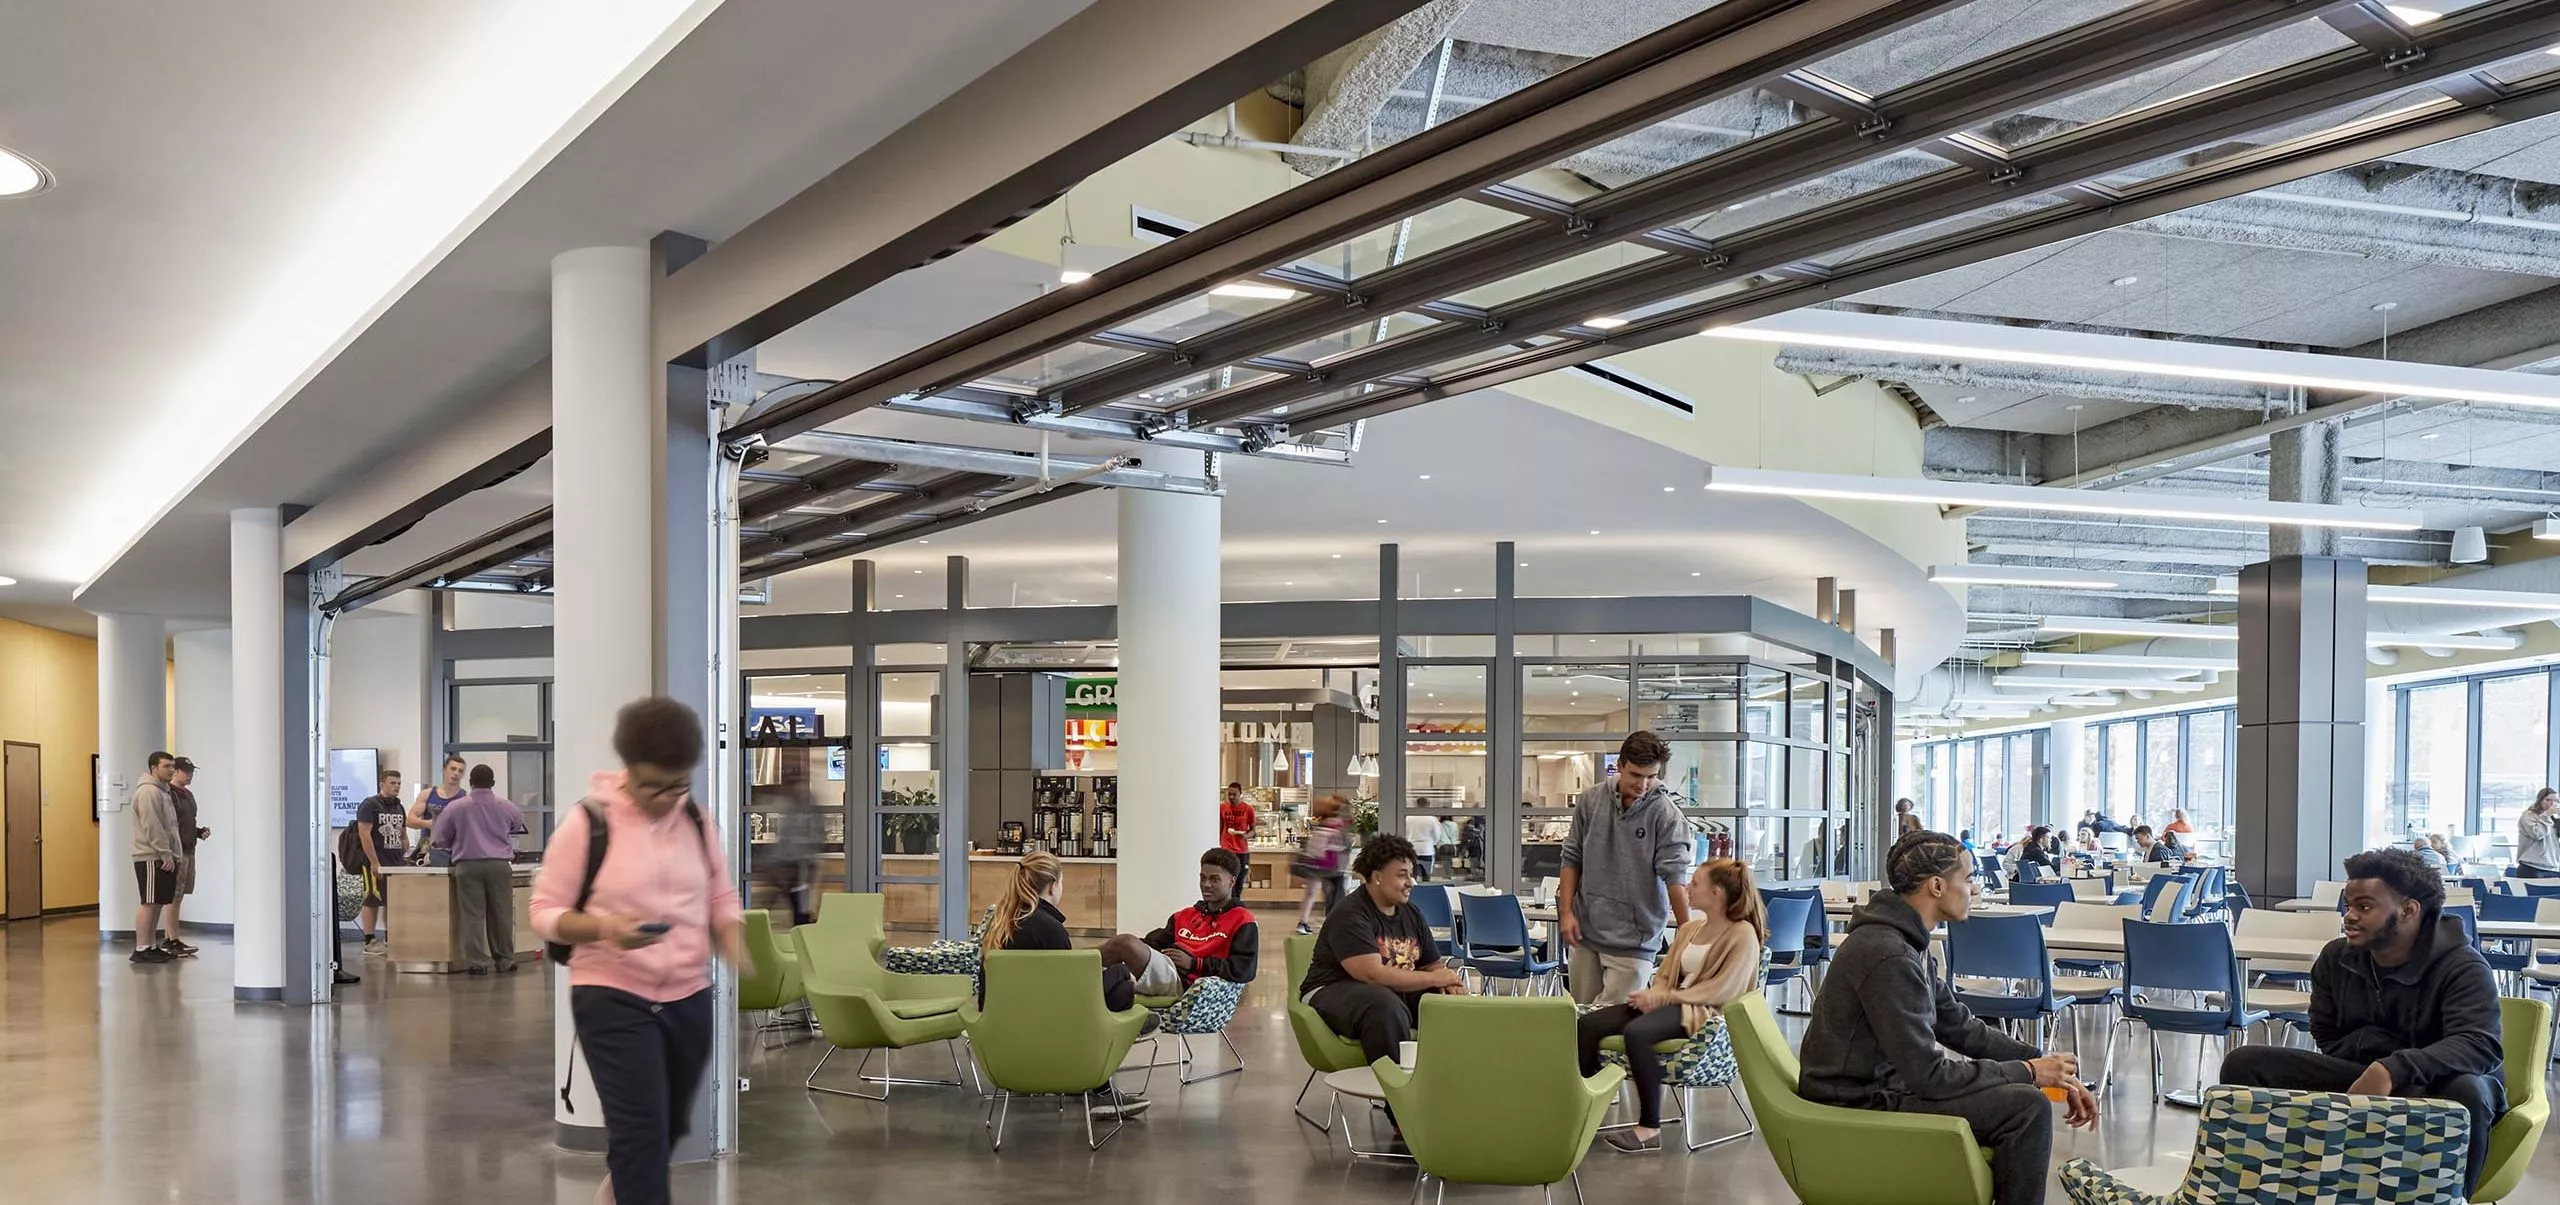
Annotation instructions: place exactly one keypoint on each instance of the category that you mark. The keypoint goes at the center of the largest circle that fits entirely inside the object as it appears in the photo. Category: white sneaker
(377, 946)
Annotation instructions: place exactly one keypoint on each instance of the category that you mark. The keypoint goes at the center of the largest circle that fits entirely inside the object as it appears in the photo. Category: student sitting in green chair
(1883, 1027)
(1216, 937)
(1713, 961)
(1028, 918)
(1376, 958)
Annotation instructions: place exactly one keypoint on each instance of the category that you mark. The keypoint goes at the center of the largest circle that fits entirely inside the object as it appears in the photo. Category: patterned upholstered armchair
(2271, 1147)
(1203, 1008)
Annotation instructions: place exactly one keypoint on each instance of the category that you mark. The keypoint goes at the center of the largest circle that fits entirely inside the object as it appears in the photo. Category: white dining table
(1840, 910)
(2111, 941)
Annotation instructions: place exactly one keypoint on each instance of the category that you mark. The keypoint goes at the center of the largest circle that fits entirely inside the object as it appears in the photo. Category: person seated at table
(1216, 937)
(2452, 865)
(2147, 848)
(1028, 918)
(1713, 961)
(1375, 957)
(2401, 1004)
(2427, 853)
(2178, 822)
(2037, 851)
(1889, 1035)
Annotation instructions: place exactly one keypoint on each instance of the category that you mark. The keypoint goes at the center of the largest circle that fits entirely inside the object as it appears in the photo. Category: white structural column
(2065, 752)
(257, 751)
(133, 720)
(1168, 696)
(603, 516)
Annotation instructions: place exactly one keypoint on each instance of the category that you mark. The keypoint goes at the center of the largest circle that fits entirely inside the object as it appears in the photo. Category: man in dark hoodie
(1881, 1020)
(2400, 1006)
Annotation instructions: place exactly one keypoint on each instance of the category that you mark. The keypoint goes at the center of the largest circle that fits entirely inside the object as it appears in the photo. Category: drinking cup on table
(1406, 1052)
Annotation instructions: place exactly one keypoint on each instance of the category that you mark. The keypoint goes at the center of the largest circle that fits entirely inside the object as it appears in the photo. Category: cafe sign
(1247, 732)
(1094, 695)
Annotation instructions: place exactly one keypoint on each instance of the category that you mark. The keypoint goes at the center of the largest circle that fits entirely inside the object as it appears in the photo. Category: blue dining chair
(1817, 923)
(1786, 936)
(2195, 959)
(2175, 908)
(1494, 940)
(2044, 895)
(2009, 950)
(1432, 901)
(2469, 915)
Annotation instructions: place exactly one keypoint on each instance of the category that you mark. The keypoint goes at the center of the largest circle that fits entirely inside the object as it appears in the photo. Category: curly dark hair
(658, 731)
(1382, 851)
(1919, 857)
(2400, 871)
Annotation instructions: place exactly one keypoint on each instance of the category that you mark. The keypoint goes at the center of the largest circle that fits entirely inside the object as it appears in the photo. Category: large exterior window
(2470, 753)
(2150, 768)
(1990, 786)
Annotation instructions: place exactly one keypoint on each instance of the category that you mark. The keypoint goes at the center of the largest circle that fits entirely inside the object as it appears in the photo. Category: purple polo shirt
(481, 824)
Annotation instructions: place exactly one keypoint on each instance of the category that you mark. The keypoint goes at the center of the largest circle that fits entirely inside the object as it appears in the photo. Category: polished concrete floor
(126, 1085)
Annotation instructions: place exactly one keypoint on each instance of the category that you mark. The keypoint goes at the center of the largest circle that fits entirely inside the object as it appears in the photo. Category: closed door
(25, 839)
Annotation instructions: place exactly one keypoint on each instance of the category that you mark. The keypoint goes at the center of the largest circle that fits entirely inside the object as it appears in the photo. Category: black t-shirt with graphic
(390, 821)
(1356, 927)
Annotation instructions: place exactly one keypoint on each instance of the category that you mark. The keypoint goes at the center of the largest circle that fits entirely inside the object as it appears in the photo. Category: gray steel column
(2300, 803)
(953, 890)
(1390, 681)
(862, 740)
(304, 802)
(1502, 726)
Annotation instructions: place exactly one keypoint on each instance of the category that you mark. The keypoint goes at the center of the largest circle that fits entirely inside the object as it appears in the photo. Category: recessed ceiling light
(2122, 281)
(1426, 476)
(897, 596)
(1696, 573)
(1457, 589)
(1966, 400)
(1337, 556)
(2432, 435)
(8, 581)
(1605, 324)
(1595, 531)
(21, 176)
(1073, 276)
(1288, 583)
(1671, 489)
(917, 571)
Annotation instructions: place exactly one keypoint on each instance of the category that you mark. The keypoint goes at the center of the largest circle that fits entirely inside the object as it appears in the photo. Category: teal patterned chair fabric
(2270, 1147)
(939, 958)
(1205, 1007)
(1703, 1060)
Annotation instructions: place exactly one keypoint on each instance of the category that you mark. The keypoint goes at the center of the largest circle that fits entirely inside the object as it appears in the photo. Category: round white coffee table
(1359, 1083)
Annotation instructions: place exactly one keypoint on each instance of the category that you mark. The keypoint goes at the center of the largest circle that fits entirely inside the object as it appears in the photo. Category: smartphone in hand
(656, 928)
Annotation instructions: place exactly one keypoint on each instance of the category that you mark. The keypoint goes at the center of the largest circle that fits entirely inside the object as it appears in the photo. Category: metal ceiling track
(1713, 54)
(1780, 266)
(512, 541)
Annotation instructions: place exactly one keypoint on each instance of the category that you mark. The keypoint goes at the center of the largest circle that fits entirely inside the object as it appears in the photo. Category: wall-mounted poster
(835, 763)
(353, 774)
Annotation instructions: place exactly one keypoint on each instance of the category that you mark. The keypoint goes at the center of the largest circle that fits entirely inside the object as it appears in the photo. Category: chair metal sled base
(811, 1083)
(1000, 1106)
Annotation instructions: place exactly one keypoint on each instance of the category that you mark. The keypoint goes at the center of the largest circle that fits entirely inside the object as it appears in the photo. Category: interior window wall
(1997, 789)
(2149, 768)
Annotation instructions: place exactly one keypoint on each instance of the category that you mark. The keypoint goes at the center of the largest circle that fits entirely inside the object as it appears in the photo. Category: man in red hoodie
(1215, 937)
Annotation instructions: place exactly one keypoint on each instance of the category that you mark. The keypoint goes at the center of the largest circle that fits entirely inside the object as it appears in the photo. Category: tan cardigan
(1732, 963)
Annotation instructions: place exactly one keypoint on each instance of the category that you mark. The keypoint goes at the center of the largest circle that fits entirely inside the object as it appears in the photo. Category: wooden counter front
(1090, 894)
(425, 926)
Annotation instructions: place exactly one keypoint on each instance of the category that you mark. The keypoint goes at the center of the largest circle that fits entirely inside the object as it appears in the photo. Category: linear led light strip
(2434, 596)
(2019, 575)
(2060, 626)
(2057, 684)
(2150, 661)
(1974, 341)
(2193, 508)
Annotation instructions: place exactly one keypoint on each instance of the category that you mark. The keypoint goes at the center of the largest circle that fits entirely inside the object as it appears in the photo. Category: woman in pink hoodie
(642, 935)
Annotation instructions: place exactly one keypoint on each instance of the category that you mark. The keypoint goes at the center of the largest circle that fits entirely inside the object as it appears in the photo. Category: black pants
(2522, 871)
(2311, 1071)
(647, 1059)
(1378, 1019)
(2015, 1122)
(1641, 1031)
(1422, 867)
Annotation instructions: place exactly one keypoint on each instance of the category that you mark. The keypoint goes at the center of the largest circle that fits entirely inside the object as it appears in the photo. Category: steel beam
(824, 482)
(826, 527)
(2459, 43)
(1920, 116)
(1712, 54)
(475, 555)
(873, 541)
(1022, 466)
(986, 406)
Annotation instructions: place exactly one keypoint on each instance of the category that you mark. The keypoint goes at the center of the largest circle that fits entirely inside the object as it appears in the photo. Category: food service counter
(425, 925)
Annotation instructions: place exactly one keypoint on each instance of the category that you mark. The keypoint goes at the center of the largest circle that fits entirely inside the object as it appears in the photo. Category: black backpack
(351, 858)
(599, 837)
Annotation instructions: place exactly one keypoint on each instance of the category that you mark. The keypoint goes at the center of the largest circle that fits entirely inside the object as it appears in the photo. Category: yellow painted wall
(49, 698)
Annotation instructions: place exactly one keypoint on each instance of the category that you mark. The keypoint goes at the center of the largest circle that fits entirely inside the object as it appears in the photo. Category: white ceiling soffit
(685, 148)
(2155, 357)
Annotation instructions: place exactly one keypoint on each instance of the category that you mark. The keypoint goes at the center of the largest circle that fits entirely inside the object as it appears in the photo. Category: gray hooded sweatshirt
(1625, 856)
